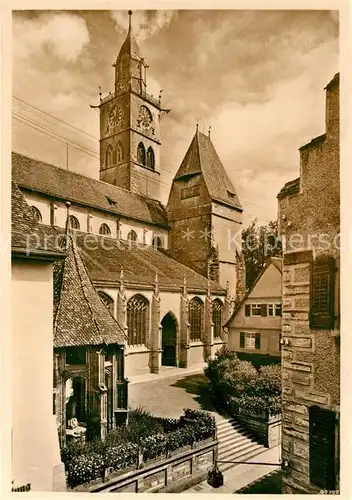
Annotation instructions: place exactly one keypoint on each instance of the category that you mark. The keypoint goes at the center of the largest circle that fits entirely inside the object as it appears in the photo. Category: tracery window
(109, 156)
(119, 152)
(105, 230)
(132, 236)
(217, 318)
(107, 301)
(195, 318)
(74, 224)
(141, 154)
(36, 213)
(137, 317)
(150, 158)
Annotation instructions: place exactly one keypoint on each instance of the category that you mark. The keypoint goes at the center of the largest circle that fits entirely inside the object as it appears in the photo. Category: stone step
(236, 449)
(244, 456)
(234, 439)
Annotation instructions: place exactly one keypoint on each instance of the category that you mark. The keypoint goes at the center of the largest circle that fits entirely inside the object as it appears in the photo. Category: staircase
(236, 443)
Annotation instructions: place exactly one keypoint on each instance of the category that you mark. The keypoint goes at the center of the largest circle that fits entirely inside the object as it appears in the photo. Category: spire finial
(197, 126)
(130, 19)
(209, 131)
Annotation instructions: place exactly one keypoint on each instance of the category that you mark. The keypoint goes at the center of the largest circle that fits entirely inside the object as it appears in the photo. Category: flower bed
(87, 462)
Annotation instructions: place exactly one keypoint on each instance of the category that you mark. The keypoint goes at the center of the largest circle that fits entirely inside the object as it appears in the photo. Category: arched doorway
(169, 330)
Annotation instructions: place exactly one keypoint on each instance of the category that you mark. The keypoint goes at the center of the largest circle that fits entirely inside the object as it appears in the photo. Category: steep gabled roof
(81, 318)
(28, 236)
(290, 188)
(202, 158)
(275, 261)
(62, 184)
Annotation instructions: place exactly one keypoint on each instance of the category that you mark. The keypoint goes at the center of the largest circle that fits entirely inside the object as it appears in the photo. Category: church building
(167, 275)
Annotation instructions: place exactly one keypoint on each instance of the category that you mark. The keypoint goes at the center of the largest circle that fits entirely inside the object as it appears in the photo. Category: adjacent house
(309, 215)
(255, 325)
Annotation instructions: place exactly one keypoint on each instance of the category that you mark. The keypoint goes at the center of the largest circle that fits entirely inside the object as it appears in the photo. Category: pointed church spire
(130, 47)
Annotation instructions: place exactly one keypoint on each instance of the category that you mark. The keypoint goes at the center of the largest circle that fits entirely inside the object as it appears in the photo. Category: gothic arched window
(195, 318)
(141, 153)
(157, 242)
(217, 318)
(36, 213)
(74, 224)
(132, 236)
(104, 229)
(150, 158)
(119, 152)
(107, 301)
(109, 156)
(137, 318)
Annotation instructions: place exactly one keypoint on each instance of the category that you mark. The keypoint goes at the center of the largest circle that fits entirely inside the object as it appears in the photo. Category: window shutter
(322, 447)
(264, 309)
(247, 310)
(257, 340)
(322, 294)
(242, 335)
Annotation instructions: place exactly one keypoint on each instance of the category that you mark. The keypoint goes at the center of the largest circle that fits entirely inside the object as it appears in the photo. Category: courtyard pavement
(167, 394)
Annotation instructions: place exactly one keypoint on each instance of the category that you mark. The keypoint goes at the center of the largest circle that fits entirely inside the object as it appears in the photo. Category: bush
(237, 384)
(85, 468)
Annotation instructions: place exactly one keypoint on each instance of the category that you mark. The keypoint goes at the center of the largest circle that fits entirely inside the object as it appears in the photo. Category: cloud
(63, 35)
(145, 23)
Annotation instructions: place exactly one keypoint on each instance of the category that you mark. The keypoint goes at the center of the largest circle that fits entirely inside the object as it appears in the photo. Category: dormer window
(230, 194)
(111, 201)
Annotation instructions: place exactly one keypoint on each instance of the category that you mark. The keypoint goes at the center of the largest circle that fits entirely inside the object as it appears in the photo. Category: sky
(256, 77)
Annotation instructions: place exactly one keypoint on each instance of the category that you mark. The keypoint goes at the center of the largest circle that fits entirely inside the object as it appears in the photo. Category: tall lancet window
(119, 152)
(195, 318)
(217, 318)
(150, 158)
(109, 156)
(141, 154)
(137, 318)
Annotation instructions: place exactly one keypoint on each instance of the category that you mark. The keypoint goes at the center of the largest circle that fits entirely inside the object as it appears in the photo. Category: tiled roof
(104, 258)
(28, 236)
(335, 81)
(80, 316)
(63, 184)
(275, 261)
(314, 142)
(201, 158)
(290, 188)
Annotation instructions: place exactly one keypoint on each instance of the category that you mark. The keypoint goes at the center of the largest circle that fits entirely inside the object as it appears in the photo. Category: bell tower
(130, 126)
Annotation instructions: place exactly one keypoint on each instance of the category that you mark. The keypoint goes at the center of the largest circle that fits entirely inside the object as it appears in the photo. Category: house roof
(275, 261)
(202, 158)
(28, 236)
(290, 188)
(104, 257)
(80, 316)
(58, 183)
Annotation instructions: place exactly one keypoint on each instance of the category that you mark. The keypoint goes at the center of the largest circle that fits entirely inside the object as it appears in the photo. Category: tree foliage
(258, 244)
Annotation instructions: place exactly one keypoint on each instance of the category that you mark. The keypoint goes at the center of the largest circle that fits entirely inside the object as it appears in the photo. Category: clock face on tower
(115, 116)
(145, 118)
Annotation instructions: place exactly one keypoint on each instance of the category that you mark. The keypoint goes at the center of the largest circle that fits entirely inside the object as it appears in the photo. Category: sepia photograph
(175, 250)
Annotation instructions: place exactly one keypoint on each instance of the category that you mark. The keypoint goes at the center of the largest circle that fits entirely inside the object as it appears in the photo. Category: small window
(270, 309)
(109, 156)
(75, 356)
(278, 309)
(322, 294)
(158, 242)
(36, 213)
(141, 154)
(217, 318)
(74, 224)
(249, 341)
(256, 309)
(105, 230)
(132, 236)
(150, 158)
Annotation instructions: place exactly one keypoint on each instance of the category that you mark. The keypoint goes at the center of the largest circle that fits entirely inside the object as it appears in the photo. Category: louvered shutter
(247, 310)
(242, 335)
(264, 308)
(322, 294)
(257, 340)
(322, 447)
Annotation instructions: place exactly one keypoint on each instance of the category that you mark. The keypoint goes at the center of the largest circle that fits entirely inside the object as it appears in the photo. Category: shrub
(85, 468)
(120, 457)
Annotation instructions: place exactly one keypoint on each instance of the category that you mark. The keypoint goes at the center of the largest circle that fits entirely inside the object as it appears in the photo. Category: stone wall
(309, 225)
